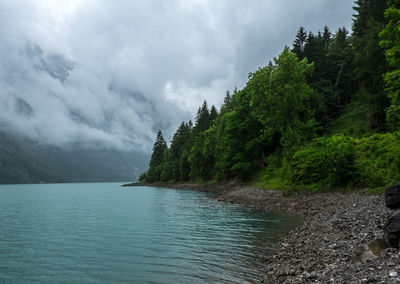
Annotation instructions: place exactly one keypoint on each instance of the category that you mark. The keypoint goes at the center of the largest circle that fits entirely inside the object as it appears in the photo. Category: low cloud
(111, 73)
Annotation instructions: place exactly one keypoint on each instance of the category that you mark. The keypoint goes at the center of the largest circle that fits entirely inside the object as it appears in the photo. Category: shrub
(326, 162)
(378, 159)
(336, 162)
(276, 174)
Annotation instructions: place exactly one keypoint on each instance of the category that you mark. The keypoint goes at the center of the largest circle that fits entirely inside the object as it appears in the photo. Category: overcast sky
(111, 73)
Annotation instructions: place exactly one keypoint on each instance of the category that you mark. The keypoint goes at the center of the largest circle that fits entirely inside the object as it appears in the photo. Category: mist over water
(102, 233)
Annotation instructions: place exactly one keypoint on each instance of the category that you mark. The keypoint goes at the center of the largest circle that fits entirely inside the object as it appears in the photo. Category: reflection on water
(101, 232)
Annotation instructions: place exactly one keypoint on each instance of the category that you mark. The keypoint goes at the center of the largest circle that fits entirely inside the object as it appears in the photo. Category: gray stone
(393, 273)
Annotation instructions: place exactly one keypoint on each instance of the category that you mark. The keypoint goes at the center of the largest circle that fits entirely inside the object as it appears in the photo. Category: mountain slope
(24, 161)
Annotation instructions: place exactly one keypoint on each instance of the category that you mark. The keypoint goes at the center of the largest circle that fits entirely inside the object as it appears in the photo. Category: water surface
(102, 233)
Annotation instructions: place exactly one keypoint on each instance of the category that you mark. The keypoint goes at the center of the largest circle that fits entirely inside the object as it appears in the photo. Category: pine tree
(157, 158)
(314, 51)
(184, 165)
(227, 98)
(213, 113)
(341, 59)
(326, 35)
(300, 42)
(227, 101)
(202, 118)
(391, 41)
(369, 60)
(180, 142)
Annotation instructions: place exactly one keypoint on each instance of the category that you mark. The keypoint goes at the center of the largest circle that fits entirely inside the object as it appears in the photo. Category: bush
(333, 162)
(276, 174)
(378, 159)
(327, 162)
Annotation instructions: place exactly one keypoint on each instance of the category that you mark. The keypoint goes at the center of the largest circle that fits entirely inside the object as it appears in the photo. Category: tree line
(307, 118)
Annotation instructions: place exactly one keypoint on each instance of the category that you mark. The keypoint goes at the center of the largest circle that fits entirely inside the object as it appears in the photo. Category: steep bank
(332, 245)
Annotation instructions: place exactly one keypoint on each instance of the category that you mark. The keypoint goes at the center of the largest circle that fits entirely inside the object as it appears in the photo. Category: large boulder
(392, 196)
(392, 230)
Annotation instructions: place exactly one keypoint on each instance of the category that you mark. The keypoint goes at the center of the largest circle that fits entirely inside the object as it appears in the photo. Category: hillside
(24, 161)
(323, 115)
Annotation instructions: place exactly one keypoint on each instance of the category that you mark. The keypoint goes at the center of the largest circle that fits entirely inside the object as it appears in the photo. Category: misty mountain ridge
(45, 98)
(97, 148)
(25, 161)
(55, 65)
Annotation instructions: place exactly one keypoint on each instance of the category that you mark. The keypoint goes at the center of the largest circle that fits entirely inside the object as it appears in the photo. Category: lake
(103, 233)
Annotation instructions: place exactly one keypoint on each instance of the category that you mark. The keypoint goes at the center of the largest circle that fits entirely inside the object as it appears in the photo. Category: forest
(323, 115)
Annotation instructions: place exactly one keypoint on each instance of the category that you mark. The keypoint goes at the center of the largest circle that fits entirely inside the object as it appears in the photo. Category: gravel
(340, 240)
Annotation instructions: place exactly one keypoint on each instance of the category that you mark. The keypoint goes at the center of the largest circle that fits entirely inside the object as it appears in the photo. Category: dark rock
(392, 230)
(392, 196)
(377, 246)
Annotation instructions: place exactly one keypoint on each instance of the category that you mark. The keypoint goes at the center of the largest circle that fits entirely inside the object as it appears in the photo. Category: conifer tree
(370, 63)
(300, 42)
(391, 41)
(326, 35)
(202, 118)
(227, 101)
(180, 141)
(227, 98)
(157, 158)
(213, 113)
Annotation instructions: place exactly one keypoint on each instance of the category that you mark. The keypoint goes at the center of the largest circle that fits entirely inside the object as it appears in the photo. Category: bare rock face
(392, 230)
(392, 196)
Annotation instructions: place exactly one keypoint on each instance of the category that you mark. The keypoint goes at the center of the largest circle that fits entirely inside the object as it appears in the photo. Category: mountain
(25, 161)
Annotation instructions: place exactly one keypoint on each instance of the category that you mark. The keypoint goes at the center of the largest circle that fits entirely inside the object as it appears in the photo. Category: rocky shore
(340, 240)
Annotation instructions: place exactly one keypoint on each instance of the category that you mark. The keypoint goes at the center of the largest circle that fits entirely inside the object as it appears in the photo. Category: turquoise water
(104, 233)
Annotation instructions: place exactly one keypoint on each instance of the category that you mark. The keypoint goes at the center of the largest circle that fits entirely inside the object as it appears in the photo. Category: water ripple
(102, 233)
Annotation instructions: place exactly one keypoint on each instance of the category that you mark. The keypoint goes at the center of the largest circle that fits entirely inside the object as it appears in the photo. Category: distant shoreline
(333, 243)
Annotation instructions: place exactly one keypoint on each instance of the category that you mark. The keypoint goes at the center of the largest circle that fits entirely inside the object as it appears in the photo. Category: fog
(112, 73)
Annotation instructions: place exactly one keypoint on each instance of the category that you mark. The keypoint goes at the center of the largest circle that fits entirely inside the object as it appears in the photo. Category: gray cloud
(111, 73)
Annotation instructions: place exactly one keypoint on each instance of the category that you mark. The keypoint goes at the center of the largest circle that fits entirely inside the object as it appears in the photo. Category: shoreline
(338, 242)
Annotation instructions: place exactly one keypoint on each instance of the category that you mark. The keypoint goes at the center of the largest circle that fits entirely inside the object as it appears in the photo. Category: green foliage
(237, 147)
(375, 190)
(213, 114)
(369, 57)
(300, 43)
(370, 60)
(392, 80)
(157, 158)
(333, 78)
(181, 141)
(184, 166)
(327, 162)
(203, 119)
(306, 119)
(356, 120)
(390, 39)
(334, 162)
(277, 173)
(378, 159)
(142, 177)
(341, 161)
(166, 167)
(284, 104)
(201, 157)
